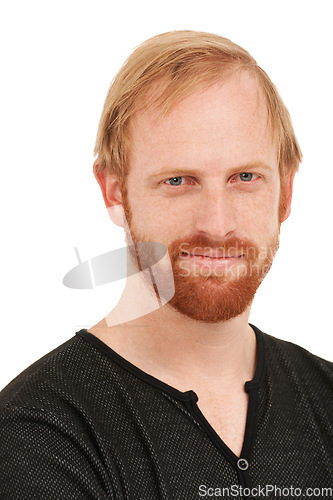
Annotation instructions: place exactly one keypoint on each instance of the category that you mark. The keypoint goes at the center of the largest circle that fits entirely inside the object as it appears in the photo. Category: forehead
(227, 119)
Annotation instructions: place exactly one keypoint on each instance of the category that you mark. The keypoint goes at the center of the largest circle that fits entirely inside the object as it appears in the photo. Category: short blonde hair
(184, 61)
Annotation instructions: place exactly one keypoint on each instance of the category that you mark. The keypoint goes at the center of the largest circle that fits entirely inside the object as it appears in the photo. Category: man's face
(204, 179)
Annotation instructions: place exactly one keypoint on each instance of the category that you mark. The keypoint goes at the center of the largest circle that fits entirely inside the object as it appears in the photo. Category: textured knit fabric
(84, 423)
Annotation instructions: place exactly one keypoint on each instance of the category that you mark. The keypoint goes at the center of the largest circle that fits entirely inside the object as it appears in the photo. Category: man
(186, 399)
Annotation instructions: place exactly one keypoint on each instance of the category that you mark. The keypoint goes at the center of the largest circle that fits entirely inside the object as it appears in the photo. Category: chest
(227, 416)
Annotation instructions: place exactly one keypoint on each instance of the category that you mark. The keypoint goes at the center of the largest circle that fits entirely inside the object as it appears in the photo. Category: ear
(287, 185)
(110, 187)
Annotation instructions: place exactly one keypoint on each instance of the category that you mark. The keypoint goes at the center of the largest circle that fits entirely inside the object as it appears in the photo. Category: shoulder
(47, 444)
(290, 363)
(65, 375)
(283, 348)
(41, 376)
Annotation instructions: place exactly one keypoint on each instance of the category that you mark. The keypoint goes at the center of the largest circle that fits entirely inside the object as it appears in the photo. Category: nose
(215, 214)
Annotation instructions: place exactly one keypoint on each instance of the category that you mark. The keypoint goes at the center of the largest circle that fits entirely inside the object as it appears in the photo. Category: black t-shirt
(84, 423)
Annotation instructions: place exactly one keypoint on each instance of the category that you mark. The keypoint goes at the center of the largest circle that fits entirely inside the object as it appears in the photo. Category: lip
(211, 256)
(212, 262)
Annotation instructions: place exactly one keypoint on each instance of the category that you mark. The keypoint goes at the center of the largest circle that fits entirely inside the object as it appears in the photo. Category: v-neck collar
(150, 379)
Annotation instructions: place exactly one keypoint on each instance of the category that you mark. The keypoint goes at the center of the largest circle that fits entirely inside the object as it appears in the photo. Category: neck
(174, 348)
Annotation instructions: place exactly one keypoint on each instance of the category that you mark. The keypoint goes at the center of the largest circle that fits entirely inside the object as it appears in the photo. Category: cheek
(148, 217)
(258, 213)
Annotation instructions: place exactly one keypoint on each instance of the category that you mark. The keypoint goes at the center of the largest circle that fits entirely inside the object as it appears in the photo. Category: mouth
(212, 262)
(211, 256)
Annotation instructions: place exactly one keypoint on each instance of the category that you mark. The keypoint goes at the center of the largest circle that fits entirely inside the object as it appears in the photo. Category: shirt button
(242, 464)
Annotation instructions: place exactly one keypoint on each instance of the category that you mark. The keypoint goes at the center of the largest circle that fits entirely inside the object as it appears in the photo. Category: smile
(210, 257)
(210, 261)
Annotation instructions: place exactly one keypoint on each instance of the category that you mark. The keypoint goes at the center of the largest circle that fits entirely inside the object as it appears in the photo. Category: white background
(58, 59)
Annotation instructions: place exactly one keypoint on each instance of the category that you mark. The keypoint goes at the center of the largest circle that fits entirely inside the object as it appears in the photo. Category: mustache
(205, 246)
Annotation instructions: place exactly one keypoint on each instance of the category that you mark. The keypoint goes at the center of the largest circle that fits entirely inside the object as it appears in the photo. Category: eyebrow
(181, 171)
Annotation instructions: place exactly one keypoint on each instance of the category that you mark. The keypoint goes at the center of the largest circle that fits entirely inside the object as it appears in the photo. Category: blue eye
(175, 180)
(246, 176)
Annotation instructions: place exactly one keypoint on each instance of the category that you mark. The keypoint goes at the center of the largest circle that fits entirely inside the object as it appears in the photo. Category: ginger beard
(209, 295)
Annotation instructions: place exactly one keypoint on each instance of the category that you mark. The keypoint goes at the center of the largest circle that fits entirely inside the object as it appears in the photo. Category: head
(196, 144)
